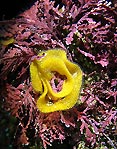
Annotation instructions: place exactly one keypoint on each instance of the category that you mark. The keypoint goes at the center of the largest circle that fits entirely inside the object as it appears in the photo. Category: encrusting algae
(56, 79)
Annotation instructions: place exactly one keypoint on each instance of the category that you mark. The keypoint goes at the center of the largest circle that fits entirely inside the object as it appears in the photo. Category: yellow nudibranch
(8, 41)
(56, 80)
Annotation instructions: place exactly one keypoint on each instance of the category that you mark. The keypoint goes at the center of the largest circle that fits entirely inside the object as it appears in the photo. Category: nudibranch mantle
(56, 80)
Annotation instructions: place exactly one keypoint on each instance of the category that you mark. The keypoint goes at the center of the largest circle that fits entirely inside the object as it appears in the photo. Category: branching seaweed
(87, 31)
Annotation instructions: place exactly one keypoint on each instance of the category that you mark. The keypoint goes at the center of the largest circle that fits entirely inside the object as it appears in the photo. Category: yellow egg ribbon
(53, 72)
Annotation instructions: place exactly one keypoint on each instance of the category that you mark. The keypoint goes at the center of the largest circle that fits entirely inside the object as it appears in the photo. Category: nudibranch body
(57, 81)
